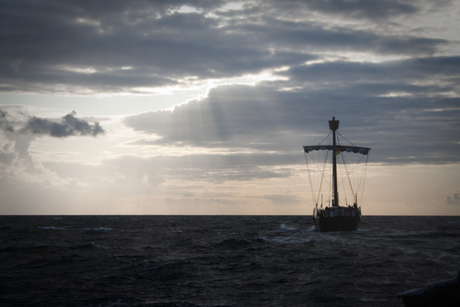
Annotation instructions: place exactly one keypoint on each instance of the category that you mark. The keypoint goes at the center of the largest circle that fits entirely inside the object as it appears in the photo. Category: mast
(334, 125)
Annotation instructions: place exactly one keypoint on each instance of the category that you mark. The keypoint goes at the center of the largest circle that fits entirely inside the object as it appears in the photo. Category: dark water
(220, 260)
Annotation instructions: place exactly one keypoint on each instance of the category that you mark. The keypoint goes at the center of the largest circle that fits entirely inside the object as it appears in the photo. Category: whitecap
(50, 228)
(99, 229)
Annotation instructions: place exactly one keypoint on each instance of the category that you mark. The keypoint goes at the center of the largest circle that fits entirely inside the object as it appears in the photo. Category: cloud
(5, 122)
(364, 9)
(388, 70)
(69, 126)
(453, 200)
(16, 162)
(282, 199)
(129, 174)
(204, 167)
(392, 106)
(389, 73)
(82, 48)
(320, 38)
(18, 165)
(16, 65)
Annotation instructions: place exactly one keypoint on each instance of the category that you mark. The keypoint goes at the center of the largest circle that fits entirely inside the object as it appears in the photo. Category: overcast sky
(202, 107)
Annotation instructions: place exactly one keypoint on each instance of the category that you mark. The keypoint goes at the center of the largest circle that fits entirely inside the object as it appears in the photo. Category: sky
(202, 107)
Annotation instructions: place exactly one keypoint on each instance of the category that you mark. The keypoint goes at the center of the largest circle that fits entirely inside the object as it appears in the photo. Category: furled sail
(354, 149)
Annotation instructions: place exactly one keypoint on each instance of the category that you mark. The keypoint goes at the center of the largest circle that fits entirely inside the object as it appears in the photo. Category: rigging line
(322, 177)
(362, 177)
(356, 163)
(345, 190)
(322, 172)
(309, 178)
(317, 164)
(325, 160)
(325, 138)
(331, 179)
(364, 180)
(345, 138)
(348, 174)
(312, 160)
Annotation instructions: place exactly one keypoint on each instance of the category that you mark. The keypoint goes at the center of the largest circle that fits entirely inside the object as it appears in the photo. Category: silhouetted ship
(338, 217)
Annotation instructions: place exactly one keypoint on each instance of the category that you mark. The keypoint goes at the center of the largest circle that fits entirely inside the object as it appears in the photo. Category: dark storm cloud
(68, 126)
(120, 46)
(444, 68)
(374, 10)
(393, 107)
(313, 36)
(233, 116)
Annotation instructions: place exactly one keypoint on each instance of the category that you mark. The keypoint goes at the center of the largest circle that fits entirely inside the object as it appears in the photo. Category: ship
(338, 214)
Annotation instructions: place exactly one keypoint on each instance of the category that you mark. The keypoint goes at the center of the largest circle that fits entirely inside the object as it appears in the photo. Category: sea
(193, 261)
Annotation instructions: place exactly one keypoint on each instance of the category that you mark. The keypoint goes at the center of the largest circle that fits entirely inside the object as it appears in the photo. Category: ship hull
(337, 219)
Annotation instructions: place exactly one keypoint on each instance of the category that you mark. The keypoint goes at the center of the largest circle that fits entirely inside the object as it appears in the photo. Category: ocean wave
(220, 261)
(98, 229)
(50, 228)
(233, 244)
